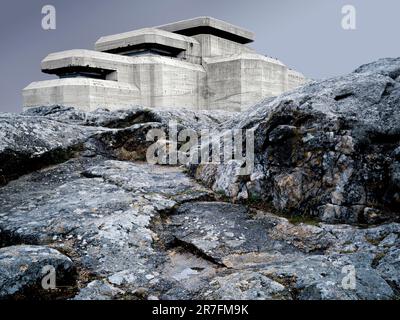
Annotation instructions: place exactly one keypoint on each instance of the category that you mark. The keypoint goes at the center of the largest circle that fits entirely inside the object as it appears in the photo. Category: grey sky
(304, 34)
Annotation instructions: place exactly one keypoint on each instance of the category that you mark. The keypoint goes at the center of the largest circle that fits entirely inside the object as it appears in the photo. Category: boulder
(23, 271)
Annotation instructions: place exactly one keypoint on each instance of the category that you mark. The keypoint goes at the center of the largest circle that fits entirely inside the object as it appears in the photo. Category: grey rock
(184, 275)
(389, 267)
(99, 290)
(128, 117)
(324, 278)
(246, 286)
(325, 150)
(387, 66)
(22, 270)
(218, 230)
(30, 143)
(102, 217)
(49, 135)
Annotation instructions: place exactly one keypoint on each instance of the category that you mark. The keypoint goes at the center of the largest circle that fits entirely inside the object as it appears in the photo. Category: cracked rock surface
(317, 219)
(330, 149)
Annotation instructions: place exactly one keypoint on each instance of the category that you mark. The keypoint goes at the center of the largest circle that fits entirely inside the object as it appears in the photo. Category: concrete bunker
(200, 64)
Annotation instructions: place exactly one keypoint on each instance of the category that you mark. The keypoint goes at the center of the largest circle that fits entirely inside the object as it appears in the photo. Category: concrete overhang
(82, 60)
(148, 37)
(209, 25)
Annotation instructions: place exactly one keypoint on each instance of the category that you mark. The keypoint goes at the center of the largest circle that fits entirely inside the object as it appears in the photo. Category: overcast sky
(304, 34)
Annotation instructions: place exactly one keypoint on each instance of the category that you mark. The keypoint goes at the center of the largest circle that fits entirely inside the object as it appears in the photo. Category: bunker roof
(209, 25)
(148, 36)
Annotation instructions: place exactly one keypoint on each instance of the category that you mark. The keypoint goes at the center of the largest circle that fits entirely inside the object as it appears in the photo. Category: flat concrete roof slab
(84, 53)
(114, 43)
(81, 57)
(210, 25)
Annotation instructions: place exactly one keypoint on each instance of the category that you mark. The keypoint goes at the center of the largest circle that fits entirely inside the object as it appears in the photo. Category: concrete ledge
(243, 56)
(123, 41)
(84, 58)
(209, 25)
(93, 64)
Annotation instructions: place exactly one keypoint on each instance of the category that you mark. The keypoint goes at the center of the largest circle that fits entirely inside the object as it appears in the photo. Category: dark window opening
(215, 32)
(81, 72)
(147, 48)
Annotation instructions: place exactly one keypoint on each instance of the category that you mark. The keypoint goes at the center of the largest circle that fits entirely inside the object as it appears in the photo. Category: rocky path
(127, 230)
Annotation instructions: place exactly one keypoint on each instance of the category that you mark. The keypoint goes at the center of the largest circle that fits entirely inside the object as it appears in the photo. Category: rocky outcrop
(30, 143)
(329, 150)
(40, 137)
(76, 195)
(23, 271)
(136, 115)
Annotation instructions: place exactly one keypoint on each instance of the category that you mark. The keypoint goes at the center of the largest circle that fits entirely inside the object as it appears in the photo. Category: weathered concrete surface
(214, 46)
(84, 93)
(117, 66)
(208, 70)
(131, 43)
(170, 83)
(245, 78)
(187, 26)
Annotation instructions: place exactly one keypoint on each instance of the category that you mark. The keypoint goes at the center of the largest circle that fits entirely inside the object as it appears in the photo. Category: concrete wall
(212, 46)
(85, 94)
(239, 81)
(165, 82)
(224, 89)
(295, 79)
